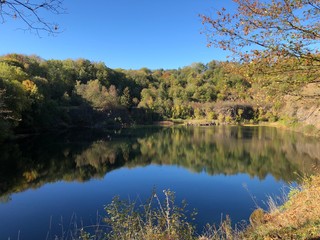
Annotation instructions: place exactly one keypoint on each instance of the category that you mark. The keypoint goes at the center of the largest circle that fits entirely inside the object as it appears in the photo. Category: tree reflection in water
(82, 155)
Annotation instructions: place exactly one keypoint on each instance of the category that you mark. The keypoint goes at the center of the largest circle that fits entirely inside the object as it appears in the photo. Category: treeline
(38, 94)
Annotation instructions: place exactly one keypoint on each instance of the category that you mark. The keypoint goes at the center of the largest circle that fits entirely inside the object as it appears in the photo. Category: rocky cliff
(304, 106)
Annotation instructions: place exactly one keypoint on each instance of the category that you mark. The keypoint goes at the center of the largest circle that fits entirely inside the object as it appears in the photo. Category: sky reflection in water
(221, 170)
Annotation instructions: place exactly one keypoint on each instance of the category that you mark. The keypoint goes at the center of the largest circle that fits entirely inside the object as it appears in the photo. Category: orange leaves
(246, 30)
(279, 27)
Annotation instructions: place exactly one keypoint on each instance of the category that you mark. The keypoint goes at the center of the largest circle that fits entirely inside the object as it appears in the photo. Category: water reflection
(80, 156)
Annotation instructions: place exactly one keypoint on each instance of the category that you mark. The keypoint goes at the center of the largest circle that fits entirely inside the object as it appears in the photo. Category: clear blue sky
(128, 34)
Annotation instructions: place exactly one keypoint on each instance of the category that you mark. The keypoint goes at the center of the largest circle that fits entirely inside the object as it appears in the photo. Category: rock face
(232, 109)
(305, 106)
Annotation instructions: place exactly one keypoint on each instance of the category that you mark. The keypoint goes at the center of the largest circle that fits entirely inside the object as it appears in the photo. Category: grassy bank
(297, 218)
(306, 129)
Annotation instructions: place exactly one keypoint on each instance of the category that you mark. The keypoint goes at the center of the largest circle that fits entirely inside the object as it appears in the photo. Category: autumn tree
(33, 13)
(267, 30)
(98, 95)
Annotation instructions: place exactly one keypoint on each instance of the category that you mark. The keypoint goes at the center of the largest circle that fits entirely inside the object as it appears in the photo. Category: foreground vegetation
(297, 218)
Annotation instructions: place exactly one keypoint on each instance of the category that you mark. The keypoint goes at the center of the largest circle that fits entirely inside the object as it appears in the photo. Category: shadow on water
(83, 155)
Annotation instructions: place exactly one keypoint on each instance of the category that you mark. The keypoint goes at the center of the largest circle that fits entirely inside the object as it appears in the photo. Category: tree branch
(31, 12)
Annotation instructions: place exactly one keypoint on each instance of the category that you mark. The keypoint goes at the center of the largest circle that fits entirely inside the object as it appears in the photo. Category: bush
(152, 220)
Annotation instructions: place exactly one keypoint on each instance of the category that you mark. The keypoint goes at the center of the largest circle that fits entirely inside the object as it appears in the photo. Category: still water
(50, 183)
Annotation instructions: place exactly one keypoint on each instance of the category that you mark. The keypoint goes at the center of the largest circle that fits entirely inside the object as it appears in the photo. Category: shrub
(152, 220)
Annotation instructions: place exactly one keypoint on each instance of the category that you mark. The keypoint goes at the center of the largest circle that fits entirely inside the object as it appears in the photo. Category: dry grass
(297, 218)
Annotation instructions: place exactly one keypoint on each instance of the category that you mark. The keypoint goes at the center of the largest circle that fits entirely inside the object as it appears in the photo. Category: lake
(49, 183)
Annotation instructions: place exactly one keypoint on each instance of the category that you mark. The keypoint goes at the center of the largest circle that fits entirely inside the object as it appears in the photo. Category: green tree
(125, 99)
(32, 65)
(85, 70)
(15, 98)
(148, 97)
(99, 96)
(5, 115)
(10, 72)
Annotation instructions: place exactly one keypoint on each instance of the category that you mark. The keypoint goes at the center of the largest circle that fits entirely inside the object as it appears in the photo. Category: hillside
(304, 107)
(39, 95)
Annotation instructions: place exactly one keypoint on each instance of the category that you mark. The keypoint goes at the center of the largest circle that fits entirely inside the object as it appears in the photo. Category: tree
(98, 95)
(32, 13)
(268, 30)
(4, 112)
(5, 115)
(125, 99)
(9, 72)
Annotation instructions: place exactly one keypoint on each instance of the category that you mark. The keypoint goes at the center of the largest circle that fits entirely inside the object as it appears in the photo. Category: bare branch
(33, 13)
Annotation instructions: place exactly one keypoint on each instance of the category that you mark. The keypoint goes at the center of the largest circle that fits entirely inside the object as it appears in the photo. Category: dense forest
(38, 94)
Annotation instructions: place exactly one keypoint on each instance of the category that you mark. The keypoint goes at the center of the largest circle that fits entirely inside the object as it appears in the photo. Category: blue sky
(128, 34)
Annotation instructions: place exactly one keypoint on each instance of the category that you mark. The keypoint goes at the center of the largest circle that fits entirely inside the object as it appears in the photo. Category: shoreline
(307, 130)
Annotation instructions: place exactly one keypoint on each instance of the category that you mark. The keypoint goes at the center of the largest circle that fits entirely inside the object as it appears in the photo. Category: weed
(152, 220)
